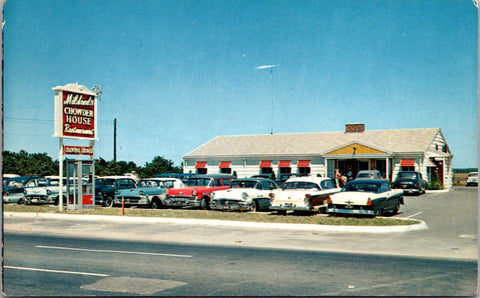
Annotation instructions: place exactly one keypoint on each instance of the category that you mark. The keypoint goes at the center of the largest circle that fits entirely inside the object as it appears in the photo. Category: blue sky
(177, 73)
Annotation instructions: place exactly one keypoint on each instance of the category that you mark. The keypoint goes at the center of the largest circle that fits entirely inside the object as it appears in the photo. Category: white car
(247, 194)
(472, 178)
(44, 190)
(304, 194)
(366, 197)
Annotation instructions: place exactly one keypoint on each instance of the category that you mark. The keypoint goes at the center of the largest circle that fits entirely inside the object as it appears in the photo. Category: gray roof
(316, 143)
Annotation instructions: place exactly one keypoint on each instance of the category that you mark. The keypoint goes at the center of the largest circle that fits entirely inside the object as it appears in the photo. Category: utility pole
(115, 139)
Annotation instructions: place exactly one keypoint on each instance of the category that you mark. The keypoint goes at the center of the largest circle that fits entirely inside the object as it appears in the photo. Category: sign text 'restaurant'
(78, 115)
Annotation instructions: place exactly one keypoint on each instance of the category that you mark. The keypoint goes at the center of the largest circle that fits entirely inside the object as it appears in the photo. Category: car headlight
(48, 192)
(194, 193)
(166, 192)
(212, 195)
(142, 193)
(245, 196)
(117, 192)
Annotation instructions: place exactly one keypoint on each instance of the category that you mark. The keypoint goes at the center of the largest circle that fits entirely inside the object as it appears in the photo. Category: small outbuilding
(424, 150)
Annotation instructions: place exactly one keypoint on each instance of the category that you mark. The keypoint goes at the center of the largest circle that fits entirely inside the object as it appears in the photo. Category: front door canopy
(353, 149)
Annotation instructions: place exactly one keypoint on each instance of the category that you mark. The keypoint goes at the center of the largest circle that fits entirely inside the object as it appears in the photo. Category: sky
(177, 73)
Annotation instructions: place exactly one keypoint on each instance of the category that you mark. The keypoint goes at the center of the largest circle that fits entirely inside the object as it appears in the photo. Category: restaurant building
(424, 150)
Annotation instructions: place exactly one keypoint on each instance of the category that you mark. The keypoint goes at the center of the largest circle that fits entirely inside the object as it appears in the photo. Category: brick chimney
(354, 128)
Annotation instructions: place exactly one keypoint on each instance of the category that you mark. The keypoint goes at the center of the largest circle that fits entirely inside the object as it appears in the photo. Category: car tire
(22, 202)
(156, 203)
(282, 212)
(378, 212)
(205, 204)
(108, 202)
(397, 208)
(254, 207)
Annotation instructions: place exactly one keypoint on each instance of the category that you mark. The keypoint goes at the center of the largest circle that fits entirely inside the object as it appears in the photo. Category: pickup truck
(197, 190)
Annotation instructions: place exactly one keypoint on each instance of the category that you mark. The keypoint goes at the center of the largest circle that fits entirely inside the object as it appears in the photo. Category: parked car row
(369, 194)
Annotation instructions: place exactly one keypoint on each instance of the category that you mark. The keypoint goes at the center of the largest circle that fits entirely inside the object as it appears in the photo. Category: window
(285, 170)
(304, 170)
(327, 184)
(267, 171)
(226, 170)
(226, 182)
(407, 168)
(202, 171)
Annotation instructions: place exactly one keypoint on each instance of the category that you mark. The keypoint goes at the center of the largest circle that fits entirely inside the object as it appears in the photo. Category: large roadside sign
(75, 112)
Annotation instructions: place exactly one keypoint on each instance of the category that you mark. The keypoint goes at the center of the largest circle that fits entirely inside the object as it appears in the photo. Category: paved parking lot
(451, 218)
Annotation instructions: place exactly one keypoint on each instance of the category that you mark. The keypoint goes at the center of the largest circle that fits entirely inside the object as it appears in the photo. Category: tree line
(24, 163)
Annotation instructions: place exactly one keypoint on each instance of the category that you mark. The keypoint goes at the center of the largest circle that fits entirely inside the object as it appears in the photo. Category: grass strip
(269, 217)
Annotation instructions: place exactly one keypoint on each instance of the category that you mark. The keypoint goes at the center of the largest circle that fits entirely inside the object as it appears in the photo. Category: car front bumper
(38, 199)
(230, 205)
(290, 206)
(140, 200)
(359, 211)
(177, 201)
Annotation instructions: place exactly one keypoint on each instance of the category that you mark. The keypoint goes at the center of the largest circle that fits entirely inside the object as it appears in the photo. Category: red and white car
(303, 194)
(197, 190)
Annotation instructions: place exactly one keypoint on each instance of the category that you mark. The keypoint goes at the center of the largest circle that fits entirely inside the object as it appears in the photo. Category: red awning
(407, 162)
(303, 163)
(265, 163)
(200, 164)
(224, 164)
(284, 164)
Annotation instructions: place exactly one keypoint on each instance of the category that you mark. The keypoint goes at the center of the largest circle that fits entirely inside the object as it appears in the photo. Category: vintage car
(282, 178)
(303, 194)
(13, 188)
(246, 194)
(369, 174)
(106, 186)
(184, 177)
(196, 192)
(410, 182)
(45, 190)
(472, 179)
(366, 197)
(147, 192)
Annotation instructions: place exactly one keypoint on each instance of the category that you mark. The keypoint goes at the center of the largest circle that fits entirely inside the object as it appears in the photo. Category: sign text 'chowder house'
(75, 111)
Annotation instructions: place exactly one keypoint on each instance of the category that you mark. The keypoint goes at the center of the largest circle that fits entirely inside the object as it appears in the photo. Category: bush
(436, 183)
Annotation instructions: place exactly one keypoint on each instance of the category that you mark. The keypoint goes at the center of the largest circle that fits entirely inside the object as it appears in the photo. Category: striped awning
(284, 164)
(200, 164)
(407, 163)
(224, 164)
(303, 164)
(265, 164)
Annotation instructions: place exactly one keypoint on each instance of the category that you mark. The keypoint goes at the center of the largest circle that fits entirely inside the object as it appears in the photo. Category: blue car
(148, 192)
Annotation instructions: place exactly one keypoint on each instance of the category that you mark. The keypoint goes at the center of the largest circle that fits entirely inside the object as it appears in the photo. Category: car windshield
(363, 187)
(103, 182)
(243, 184)
(407, 175)
(301, 185)
(17, 181)
(365, 175)
(149, 183)
(473, 175)
(199, 182)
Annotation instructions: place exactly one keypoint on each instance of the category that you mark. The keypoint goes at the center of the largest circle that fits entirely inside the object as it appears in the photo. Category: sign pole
(60, 174)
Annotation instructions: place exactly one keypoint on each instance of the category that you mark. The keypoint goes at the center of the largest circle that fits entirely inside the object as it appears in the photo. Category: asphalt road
(441, 260)
(46, 265)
